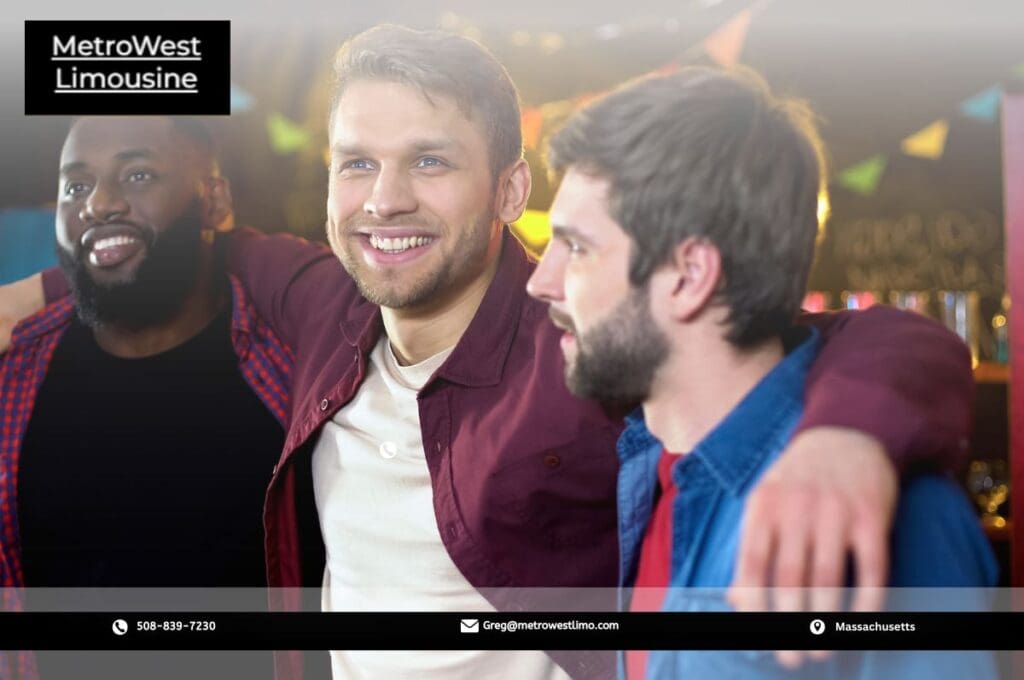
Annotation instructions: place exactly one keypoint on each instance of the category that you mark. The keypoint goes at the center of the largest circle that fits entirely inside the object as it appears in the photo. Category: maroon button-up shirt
(523, 472)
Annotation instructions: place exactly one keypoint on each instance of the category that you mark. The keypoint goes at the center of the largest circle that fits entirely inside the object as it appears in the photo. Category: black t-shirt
(146, 472)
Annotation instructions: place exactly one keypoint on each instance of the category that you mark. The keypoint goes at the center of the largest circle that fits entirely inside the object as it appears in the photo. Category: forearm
(898, 377)
(284, 276)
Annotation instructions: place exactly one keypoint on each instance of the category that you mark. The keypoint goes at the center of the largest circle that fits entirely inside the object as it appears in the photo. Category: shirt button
(552, 461)
(325, 404)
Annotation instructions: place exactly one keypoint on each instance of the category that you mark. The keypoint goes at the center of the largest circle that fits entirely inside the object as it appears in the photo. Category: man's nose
(547, 282)
(392, 195)
(104, 204)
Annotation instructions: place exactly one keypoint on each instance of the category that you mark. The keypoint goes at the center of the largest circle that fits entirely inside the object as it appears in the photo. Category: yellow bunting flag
(286, 136)
(533, 229)
(532, 122)
(929, 142)
(725, 45)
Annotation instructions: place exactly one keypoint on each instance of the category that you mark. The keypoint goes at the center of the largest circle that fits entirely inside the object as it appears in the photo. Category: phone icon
(120, 627)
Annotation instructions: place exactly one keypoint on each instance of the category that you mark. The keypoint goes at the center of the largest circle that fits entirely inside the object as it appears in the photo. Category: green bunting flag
(286, 136)
(863, 178)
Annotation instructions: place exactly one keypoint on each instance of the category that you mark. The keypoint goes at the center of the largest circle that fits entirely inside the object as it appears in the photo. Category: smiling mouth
(392, 246)
(111, 250)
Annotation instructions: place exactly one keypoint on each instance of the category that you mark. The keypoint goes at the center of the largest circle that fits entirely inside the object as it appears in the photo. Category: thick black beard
(158, 288)
(617, 360)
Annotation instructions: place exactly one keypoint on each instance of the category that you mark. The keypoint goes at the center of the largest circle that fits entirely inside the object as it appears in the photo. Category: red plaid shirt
(264, 360)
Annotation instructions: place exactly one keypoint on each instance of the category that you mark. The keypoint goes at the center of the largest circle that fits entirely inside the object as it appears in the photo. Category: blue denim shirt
(936, 542)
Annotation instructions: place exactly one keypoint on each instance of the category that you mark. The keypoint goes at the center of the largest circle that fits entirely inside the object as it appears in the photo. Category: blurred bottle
(960, 312)
(1001, 332)
(912, 300)
(858, 299)
(816, 301)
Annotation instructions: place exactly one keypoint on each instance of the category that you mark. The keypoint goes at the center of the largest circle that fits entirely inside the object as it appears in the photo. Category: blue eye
(358, 164)
(430, 162)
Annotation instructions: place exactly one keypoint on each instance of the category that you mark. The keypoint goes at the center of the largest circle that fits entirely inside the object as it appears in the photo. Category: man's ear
(218, 208)
(514, 186)
(688, 281)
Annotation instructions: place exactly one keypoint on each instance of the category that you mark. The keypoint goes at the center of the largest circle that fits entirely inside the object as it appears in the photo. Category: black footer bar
(584, 631)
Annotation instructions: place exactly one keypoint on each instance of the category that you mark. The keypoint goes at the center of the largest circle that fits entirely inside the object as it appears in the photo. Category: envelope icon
(470, 626)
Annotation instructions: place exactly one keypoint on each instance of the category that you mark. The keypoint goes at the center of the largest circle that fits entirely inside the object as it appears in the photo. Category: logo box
(127, 67)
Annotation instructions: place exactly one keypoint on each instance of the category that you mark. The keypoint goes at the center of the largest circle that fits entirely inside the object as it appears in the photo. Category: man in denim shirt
(683, 234)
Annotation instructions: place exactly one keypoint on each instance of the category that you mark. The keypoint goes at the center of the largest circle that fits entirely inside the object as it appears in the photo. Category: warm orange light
(824, 211)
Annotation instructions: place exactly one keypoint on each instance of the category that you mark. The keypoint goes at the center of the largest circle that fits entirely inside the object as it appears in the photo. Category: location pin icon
(817, 626)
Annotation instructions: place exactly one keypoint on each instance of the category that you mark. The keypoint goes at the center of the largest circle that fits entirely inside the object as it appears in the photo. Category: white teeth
(113, 241)
(398, 245)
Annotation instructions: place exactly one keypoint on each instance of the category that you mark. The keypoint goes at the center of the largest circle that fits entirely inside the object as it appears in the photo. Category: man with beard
(451, 468)
(144, 412)
(684, 229)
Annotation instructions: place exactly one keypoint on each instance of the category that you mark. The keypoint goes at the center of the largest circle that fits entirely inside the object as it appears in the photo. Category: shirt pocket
(564, 494)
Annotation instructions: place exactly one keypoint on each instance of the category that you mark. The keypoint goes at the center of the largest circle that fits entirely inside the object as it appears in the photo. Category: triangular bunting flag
(725, 45)
(984, 105)
(863, 177)
(929, 142)
(532, 122)
(241, 101)
(285, 136)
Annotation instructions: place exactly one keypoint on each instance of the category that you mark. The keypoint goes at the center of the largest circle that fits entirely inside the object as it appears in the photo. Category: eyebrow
(418, 146)
(121, 156)
(563, 232)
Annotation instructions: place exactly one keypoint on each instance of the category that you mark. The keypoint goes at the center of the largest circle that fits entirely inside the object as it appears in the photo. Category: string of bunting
(929, 142)
(724, 46)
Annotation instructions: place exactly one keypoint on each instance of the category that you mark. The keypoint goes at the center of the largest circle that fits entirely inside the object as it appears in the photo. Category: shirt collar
(479, 356)
(52, 317)
(735, 448)
(59, 313)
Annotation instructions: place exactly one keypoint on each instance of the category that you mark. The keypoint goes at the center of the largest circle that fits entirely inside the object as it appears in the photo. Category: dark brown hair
(711, 154)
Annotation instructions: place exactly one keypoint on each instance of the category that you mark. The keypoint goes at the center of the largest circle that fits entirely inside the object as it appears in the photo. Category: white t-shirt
(384, 550)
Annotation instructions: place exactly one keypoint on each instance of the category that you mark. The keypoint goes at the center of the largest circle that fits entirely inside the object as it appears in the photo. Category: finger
(757, 539)
(828, 556)
(790, 579)
(871, 559)
(791, 568)
(792, 561)
(828, 562)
